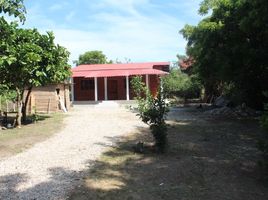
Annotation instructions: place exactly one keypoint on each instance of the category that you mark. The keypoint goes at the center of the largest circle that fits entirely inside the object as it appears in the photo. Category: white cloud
(188, 9)
(56, 7)
(141, 39)
(126, 5)
(35, 19)
(134, 29)
(70, 16)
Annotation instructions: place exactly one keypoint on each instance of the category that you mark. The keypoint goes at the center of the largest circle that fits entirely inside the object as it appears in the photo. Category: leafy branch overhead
(30, 58)
(13, 8)
(229, 46)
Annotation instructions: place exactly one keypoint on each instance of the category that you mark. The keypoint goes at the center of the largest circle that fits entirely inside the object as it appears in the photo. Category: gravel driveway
(51, 168)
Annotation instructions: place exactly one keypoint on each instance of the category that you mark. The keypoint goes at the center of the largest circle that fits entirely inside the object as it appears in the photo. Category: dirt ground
(208, 158)
(13, 141)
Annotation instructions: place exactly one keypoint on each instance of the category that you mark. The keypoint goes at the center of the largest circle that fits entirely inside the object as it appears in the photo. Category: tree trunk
(24, 105)
(19, 106)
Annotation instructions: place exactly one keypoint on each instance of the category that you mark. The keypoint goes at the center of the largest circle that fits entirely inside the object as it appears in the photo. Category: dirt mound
(239, 111)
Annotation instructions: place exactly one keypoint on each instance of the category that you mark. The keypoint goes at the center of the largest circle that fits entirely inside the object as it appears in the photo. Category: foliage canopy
(92, 57)
(230, 48)
(13, 7)
(29, 59)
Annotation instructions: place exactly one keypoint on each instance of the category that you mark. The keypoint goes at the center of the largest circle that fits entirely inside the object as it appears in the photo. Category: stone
(221, 101)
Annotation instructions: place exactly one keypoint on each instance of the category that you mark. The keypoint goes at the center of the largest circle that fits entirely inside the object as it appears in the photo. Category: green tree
(92, 57)
(29, 59)
(17, 9)
(229, 48)
(182, 85)
(14, 8)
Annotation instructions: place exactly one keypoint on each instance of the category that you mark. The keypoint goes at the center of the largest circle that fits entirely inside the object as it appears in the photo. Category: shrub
(182, 85)
(152, 111)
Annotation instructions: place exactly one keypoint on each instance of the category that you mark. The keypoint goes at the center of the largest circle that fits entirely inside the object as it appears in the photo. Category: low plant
(152, 111)
(35, 117)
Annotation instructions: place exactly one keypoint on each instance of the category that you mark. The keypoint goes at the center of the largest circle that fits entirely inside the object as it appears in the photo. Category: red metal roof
(110, 70)
(186, 63)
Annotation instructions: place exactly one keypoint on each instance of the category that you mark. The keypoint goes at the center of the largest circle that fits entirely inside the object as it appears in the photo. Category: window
(58, 91)
(87, 84)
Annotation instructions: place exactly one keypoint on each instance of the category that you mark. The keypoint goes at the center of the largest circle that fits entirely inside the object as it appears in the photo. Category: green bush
(6, 95)
(152, 111)
(182, 85)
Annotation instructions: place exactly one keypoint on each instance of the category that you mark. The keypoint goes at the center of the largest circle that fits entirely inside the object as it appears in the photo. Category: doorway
(112, 90)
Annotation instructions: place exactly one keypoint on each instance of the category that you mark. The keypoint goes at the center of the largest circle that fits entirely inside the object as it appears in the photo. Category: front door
(112, 90)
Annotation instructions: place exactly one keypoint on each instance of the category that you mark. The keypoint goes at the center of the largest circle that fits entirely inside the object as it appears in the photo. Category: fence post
(48, 112)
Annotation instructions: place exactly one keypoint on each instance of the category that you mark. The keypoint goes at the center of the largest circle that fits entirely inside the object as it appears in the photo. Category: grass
(207, 159)
(16, 140)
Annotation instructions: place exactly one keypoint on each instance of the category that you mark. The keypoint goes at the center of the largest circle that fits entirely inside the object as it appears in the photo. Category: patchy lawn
(16, 140)
(207, 159)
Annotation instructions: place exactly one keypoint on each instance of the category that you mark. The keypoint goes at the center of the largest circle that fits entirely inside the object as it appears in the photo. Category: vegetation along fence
(7, 105)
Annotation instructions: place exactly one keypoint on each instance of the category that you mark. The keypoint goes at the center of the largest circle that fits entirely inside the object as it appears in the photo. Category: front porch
(107, 104)
(108, 88)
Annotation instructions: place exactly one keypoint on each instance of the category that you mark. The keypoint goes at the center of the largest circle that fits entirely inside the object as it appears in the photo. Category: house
(50, 98)
(98, 82)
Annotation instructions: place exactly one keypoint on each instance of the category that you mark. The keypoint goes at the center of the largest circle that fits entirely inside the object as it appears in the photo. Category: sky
(135, 30)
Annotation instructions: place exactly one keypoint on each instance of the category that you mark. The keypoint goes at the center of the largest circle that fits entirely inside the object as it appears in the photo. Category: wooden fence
(8, 106)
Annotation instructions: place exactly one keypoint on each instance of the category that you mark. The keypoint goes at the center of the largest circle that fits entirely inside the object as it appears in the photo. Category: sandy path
(51, 168)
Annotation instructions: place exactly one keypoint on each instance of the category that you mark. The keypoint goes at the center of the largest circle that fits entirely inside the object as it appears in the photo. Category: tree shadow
(8, 185)
(205, 160)
(60, 181)
(10, 119)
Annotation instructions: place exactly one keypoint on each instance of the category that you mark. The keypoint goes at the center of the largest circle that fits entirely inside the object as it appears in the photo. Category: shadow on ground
(11, 185)
(207, 160)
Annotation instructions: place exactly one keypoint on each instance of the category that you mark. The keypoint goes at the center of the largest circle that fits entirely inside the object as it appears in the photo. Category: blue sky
(139, 30)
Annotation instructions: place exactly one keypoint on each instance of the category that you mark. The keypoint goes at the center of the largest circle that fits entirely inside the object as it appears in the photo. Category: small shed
(49, 99)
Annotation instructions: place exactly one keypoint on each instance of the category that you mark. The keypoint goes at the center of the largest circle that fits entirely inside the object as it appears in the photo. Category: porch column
(105, 89)
(96, 88)
(147, 81)
(161, 84)
(72, 89)
(127, 87)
